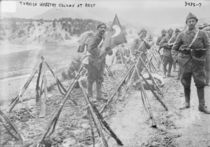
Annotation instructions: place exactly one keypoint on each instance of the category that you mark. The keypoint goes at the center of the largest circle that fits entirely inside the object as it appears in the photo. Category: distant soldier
(167, 58)
(163, 34)
(192, 45)
(96, 63)
(171, 42)
(139, 48)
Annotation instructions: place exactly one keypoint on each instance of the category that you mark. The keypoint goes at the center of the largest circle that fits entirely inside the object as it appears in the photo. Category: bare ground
(126, 116)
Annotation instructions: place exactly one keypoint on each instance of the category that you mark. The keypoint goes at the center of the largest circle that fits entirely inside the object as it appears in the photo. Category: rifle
(53, 122)
(154, 93)
(118, 88)
(95, 111)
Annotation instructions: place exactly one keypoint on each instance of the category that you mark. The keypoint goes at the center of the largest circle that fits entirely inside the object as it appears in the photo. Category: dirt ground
(126, 116)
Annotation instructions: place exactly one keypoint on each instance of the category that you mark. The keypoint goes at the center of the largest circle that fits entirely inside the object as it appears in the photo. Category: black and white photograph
(104, 73)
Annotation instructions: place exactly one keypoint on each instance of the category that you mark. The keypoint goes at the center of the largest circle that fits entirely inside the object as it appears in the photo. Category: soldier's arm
(163, 42)
(158, 41)
(178, 43)
(176, 46)
(148, 46)
(92, 44)
(206, 41)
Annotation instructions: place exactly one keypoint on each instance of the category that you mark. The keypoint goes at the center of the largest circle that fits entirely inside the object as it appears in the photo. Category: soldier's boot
(99, 91)
(179, 74)
(187, 99)
(90, 88)
(169, 70)
(164, 70)
(202, 107)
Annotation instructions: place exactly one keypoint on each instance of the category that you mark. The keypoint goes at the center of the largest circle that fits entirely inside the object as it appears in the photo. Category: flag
(118, 35)
(115, 35)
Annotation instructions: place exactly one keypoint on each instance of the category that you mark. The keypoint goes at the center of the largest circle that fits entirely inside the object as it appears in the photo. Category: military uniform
(139, 48)
(95, 66)
(167, 58)
(191, 58)
(175, 60)
(160, 48)
(207, 29)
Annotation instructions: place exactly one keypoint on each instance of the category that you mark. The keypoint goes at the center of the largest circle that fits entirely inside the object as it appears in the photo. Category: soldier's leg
(99, 81)
(165, 62)
(170, 63)
(174, 65)
(91, 78)
(186, 76)
(90, 87)
(99, 89)
(179, 73)
(200, 81)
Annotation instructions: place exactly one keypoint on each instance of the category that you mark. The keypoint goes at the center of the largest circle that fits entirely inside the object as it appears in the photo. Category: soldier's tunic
(171, 42)
(139, 48)
(160, 50)
(95, 65)
(192, 60)
(167, 57)
(207, 30)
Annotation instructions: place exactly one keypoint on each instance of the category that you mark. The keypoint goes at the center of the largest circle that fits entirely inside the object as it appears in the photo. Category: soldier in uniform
(96, 63)
(207, 29)
(163, 34)
(167, 58)
(139, 48)
(192, 45)
(171, 42)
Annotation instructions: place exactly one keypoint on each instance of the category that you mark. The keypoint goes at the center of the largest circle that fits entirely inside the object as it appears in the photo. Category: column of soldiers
(187, 47)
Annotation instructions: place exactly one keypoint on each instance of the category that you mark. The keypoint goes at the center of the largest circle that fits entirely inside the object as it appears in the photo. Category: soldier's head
(142, 33)
(163, 32)
(101, 28)
(191, 21)
(177, 31)
(170, 32)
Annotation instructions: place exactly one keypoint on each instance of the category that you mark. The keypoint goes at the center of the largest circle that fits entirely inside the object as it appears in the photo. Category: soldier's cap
(191, 16)
(101, 24)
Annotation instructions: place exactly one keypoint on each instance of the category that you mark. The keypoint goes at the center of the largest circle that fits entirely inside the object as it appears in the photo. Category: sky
(148, 13)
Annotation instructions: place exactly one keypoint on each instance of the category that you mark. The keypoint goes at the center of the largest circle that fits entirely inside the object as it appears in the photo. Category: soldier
(139, 48)
(192, 45)
(96, 62)
(163, 34)
(171, 42)
(167, 58)
(207, 29)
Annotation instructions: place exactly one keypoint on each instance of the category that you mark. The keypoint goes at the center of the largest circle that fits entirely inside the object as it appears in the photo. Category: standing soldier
(192, 45)
(96, 63)
(163, 34)
(207, 29)
(171, 42)
(139, 48)
(167, 58)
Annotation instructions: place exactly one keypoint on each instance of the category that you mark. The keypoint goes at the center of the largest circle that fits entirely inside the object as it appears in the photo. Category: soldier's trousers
(140, 67)
(195, 69)
(94, 75)
(167, 60)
